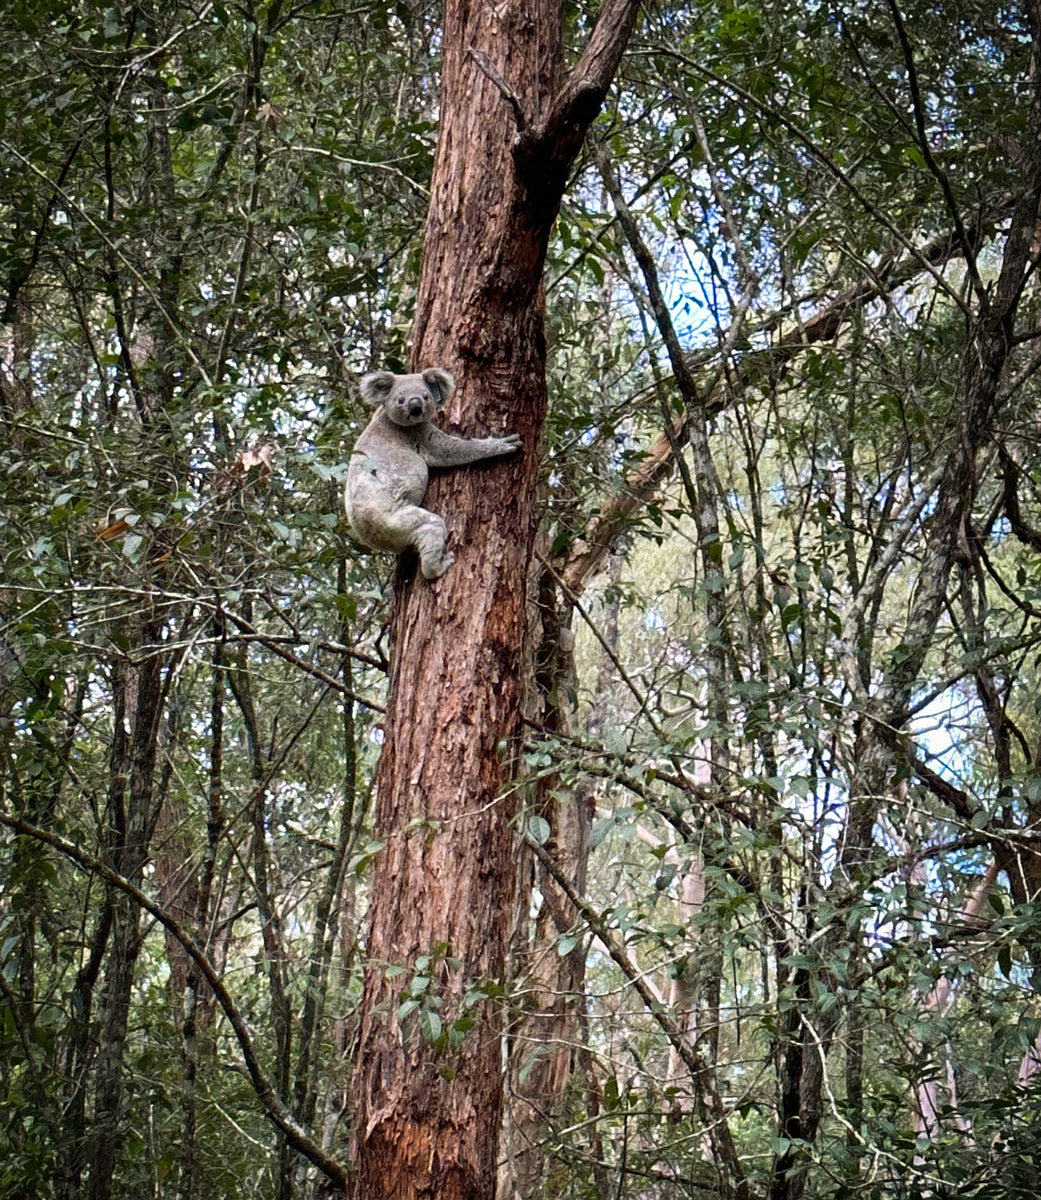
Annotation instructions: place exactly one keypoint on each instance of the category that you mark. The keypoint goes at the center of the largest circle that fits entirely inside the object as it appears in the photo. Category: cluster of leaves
(816, 160)
(209, 222)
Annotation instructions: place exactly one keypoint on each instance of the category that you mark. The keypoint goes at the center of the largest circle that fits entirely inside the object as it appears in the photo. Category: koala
(388, 471)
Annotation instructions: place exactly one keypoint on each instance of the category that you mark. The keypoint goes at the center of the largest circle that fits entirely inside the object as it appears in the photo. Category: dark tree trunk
(138, 705)
(427, 1113)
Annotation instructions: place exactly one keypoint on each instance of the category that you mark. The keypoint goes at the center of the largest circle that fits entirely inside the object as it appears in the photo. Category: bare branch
(545, 151)
(507, 93)
(585, 555)
(1011, 472)
(967, 245)
(276, 1110)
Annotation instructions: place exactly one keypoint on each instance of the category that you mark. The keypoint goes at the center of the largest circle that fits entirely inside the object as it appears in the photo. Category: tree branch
(266, 1094)
(1010, 473)
(918, 108)
(508, 94)
(548, 148)
(584, 556)
(728, 1161)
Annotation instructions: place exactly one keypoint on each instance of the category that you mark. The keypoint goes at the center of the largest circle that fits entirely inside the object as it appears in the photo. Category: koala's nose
(415, 406)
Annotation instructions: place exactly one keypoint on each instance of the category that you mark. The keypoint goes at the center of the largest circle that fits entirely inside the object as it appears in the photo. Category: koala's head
(408, 399)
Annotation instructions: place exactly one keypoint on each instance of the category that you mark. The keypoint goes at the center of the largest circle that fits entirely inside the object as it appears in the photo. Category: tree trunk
(548, 1016)
(138, 706)
(428, 1078)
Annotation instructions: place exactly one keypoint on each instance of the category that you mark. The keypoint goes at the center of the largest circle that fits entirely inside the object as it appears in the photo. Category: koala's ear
(440, 383)
(376, 387)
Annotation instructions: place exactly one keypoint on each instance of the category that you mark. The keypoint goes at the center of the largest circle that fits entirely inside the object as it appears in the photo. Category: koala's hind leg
(434, 559)
(426, 532)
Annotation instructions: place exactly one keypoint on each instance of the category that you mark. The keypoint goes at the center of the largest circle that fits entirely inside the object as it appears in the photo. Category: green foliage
(209, 223)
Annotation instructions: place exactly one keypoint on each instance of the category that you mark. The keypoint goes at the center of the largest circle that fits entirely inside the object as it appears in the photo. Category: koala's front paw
(436, 568)
(511, 443)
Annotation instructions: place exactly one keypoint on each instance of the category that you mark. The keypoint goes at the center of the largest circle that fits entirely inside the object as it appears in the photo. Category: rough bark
(548, 984)
(138, 706)
(426, 1113)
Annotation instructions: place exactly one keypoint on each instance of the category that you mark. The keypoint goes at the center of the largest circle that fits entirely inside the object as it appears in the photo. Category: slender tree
(428, 1084)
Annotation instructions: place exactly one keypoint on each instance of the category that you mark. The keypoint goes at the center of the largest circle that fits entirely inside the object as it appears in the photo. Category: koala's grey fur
(387, 475)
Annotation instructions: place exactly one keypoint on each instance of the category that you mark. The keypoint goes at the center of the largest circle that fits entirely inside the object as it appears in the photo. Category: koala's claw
(514, 442)
(436, 570)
